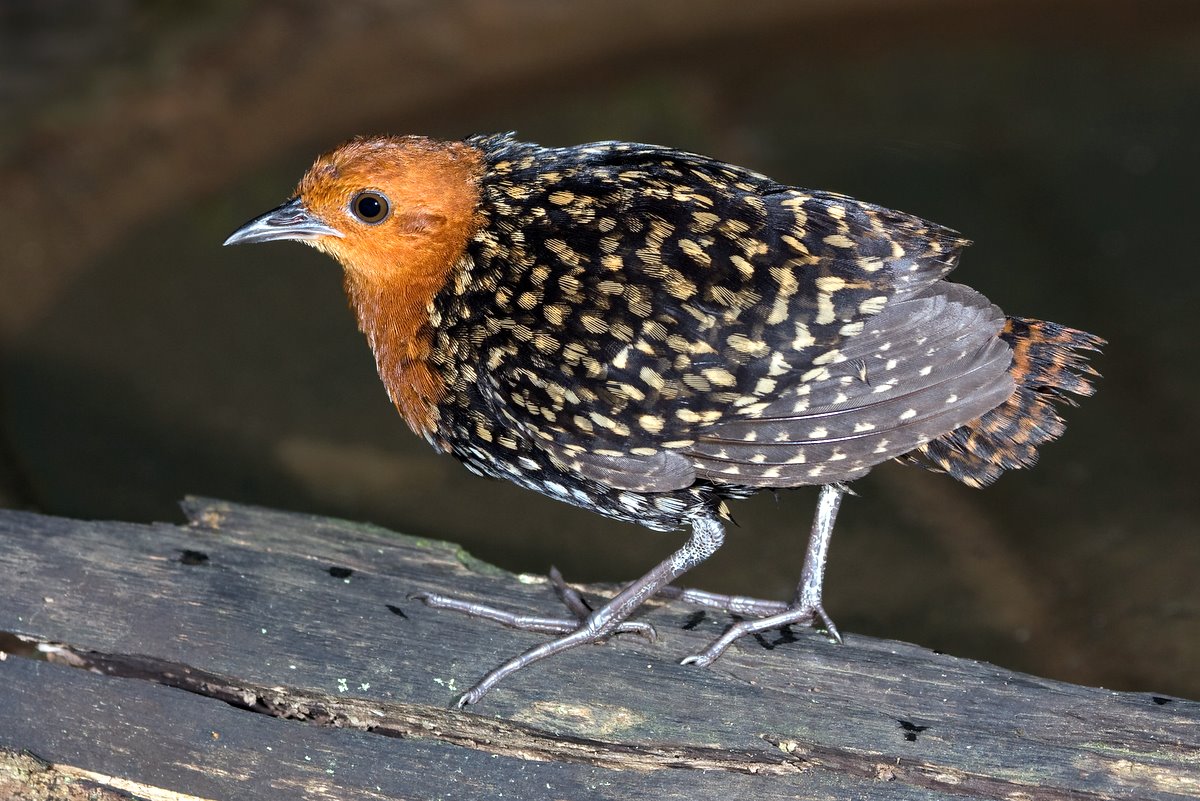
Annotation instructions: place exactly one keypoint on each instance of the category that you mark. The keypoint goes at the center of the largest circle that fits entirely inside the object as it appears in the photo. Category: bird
(649, 333)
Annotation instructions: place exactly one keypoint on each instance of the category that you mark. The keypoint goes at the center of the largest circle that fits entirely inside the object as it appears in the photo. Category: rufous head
(387, 208)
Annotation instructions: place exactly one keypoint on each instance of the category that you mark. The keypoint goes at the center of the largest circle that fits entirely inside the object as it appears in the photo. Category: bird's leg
(810, 585)
(806, 604)
(706, 537)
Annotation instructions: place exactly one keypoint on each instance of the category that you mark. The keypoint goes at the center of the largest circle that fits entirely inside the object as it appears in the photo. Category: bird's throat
(393, 307)
(395, 319)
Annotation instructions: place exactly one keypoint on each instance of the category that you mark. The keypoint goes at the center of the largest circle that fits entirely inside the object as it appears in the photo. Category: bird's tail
(1049, 366)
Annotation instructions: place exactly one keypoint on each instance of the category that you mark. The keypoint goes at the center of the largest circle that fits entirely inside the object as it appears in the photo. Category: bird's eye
(370, 207)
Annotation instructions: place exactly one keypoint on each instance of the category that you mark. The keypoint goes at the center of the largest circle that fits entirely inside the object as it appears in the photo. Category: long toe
(800, 615)
(514, 620)
(733, 604)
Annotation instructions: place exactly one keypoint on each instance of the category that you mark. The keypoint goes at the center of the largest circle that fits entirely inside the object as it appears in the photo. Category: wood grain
(259, 654)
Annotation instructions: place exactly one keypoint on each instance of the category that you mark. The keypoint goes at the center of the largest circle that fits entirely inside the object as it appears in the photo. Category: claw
(830, 628)
(643, 630)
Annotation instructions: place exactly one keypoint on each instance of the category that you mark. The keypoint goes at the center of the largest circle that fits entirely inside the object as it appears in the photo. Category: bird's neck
(395, 316)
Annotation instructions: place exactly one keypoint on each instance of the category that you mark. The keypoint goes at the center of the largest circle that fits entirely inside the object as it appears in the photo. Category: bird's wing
(671, 303)
(921, 368)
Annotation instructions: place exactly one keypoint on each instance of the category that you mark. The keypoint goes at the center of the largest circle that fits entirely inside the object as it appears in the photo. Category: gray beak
(292, 220)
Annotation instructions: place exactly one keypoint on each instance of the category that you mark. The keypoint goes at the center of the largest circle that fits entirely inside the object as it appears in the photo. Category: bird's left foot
(806, 615)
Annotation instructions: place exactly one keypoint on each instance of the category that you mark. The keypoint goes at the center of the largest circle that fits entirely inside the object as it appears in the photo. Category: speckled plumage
(645, 333)
(641, 331)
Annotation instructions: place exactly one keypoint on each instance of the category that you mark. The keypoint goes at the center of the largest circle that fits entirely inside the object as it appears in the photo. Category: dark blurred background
(139, 361)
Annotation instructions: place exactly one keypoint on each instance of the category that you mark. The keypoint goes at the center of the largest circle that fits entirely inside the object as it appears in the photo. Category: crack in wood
(513, 739)
(419, 721)
(930, 776)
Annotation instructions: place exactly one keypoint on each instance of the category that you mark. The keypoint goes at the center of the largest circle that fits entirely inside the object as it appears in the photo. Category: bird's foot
(805, 614)
(570, 597)
(585, 626)
(588, 626)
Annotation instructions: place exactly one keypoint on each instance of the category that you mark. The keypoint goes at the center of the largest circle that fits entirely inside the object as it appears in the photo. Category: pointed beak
(292, 220)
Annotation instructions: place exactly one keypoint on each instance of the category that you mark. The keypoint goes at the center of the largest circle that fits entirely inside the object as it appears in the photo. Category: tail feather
(1049, 365)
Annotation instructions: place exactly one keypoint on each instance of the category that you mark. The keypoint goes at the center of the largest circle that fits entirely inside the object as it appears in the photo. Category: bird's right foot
(800, 615)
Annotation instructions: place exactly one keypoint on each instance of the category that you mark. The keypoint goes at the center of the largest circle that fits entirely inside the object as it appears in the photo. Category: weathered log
(256, 654)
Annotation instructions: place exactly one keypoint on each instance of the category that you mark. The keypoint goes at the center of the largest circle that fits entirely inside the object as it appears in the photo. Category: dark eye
(370, 207)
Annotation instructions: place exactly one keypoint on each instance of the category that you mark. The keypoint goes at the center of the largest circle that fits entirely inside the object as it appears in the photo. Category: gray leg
(588, 627)
(806, 606)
